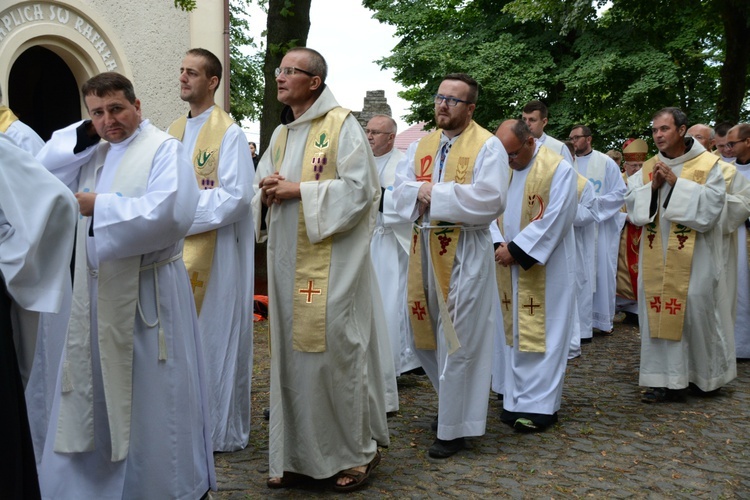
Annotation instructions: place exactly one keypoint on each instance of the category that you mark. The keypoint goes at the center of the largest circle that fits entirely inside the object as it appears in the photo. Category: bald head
(381, 134)
(517, 141)
(703, 134)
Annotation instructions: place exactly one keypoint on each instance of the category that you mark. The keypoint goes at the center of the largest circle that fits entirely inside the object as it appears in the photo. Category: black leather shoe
(697, 391)
(663, 395)
(434, 424)
(267, 413)
(445, 449)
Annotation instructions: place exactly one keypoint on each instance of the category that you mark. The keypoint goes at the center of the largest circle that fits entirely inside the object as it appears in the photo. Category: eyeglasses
(730, 144)
(574, 138)
(290, 70)
(514, 154)
(450, 101)
(375, 132)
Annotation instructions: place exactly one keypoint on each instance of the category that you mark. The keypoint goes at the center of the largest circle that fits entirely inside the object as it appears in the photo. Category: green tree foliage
(246, 71)
(186, 5)
(611, 71)
(245, 62)
(288, 25)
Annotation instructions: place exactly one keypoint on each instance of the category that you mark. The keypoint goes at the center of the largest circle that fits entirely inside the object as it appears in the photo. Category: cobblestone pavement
(607, 444)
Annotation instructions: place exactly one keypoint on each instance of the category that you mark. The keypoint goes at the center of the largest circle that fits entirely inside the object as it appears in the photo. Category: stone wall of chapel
(150, 36)
(154, 36)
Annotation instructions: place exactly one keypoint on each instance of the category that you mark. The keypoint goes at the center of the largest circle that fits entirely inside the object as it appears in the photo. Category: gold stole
(666, 279)
(443, 242)
(532, 282)
(310, 292)
(6, 118)
(198, 252)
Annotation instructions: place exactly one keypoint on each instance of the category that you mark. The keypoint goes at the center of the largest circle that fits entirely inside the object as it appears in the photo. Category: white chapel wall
(142, 39)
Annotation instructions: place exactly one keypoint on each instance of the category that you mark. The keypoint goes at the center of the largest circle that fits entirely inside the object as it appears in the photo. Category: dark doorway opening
(42, 91)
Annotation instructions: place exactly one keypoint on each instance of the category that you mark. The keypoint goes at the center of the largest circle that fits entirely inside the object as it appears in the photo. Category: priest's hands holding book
(275, 189)
(86, 202)
(662, 174)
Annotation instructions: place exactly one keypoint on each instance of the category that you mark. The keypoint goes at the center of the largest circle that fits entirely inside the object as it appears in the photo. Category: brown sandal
(358, 478)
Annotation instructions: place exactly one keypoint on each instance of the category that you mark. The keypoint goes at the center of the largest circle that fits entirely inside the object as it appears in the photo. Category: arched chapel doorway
(43, 92)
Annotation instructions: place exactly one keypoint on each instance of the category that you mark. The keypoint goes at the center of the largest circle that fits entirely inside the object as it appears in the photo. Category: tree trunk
(734, 15)
(288, 26)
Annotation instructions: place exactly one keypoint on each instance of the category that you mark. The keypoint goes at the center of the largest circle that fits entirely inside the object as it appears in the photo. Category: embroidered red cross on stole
(672, 306)
(656, 303)
(310, 291)
(418, 310)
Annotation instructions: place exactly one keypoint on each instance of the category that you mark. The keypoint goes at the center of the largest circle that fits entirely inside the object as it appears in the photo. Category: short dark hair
(473, 85)
(722, 129)
(212, 64)
(679, 116)
(586, 131)
(318, 65)
(251, 143)
(520, 130)
(743, 130)
(536, 105)
(108, 83)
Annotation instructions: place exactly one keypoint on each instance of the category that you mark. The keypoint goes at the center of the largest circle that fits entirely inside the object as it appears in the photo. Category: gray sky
(350, 40)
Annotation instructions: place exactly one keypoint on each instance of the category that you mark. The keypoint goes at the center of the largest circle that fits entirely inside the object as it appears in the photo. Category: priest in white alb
(738, 141)
(36, 242)
(685, 316)
(220, 246)
(536, 279)
(26, 322)
(17, 131)
(130, 416)
(316, 201)
(452, 183)
(609, 191)
(584, 226)
(390, 245)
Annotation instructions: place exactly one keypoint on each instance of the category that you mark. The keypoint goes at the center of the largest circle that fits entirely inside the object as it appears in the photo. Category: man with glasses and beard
(452, 184)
